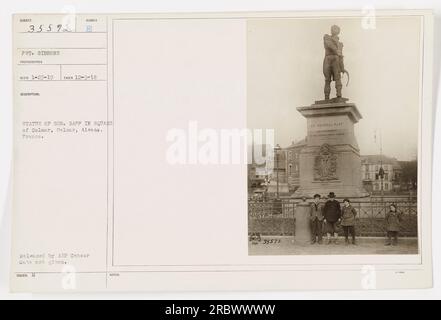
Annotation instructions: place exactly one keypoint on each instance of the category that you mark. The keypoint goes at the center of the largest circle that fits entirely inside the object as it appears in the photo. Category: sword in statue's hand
(347, 74)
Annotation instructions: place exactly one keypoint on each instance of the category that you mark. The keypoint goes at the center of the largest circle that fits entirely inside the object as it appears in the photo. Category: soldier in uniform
(348, 214)
(333, 65)
(316, 215)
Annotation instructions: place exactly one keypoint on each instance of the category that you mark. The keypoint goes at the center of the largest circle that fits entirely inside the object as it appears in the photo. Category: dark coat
(348, 216)
(332, 210)
(316, 211)
(393, 220)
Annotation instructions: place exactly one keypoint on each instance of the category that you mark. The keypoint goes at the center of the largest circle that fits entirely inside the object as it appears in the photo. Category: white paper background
(10, 7)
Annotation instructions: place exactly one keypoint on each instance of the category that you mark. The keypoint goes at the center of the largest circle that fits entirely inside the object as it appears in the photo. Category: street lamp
(276, 151)
(381, 174)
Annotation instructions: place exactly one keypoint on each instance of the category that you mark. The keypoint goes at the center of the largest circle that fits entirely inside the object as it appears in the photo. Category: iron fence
(278, 217)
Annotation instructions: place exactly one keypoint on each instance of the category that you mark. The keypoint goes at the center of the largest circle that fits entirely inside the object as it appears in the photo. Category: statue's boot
(327, 89)
(338, 87)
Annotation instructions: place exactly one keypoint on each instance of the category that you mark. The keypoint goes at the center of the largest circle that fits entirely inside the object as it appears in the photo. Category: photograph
(343, 98)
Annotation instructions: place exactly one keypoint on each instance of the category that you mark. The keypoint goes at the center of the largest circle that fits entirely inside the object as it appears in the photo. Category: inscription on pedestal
(331, 129)
(326, 126)
(329, 123)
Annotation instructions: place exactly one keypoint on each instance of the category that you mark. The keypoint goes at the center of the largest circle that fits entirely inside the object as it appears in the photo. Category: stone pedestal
(303, 223)
(330, 161)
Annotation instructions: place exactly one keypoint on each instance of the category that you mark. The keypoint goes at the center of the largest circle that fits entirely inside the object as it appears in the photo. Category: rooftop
(379, 159)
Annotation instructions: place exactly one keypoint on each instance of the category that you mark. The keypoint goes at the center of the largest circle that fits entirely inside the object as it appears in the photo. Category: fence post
(302, 227)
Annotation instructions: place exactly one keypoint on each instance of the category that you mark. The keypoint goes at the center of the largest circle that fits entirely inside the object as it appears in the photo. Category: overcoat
(332, 210)
(393, 220)
(348, 216)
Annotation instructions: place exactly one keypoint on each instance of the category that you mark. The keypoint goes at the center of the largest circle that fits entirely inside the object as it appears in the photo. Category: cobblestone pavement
(288, 246)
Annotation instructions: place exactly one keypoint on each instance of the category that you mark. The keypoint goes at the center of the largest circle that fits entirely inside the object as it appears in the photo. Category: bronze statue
(333, 65)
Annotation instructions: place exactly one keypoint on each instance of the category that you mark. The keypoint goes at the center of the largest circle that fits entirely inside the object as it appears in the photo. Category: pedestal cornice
(331, 109)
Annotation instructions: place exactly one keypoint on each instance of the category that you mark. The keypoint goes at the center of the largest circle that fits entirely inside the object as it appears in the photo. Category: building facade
(285, 166)
(292, 166)
(370, 173)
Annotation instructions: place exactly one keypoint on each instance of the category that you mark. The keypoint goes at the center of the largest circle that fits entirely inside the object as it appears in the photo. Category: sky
(284, 71)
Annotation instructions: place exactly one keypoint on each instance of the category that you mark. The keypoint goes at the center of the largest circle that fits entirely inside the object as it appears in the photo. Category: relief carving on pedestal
(325, 164)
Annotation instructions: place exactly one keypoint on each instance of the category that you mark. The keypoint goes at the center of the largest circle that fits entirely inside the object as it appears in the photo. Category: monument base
(330, 161)
(332, 100)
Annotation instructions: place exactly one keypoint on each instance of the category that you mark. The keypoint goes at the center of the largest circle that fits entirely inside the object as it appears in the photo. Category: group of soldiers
(330, 215)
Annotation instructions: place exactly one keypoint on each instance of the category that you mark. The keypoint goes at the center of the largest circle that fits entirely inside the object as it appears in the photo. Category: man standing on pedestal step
(316, 214)
(332, 215)
(333, 65)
